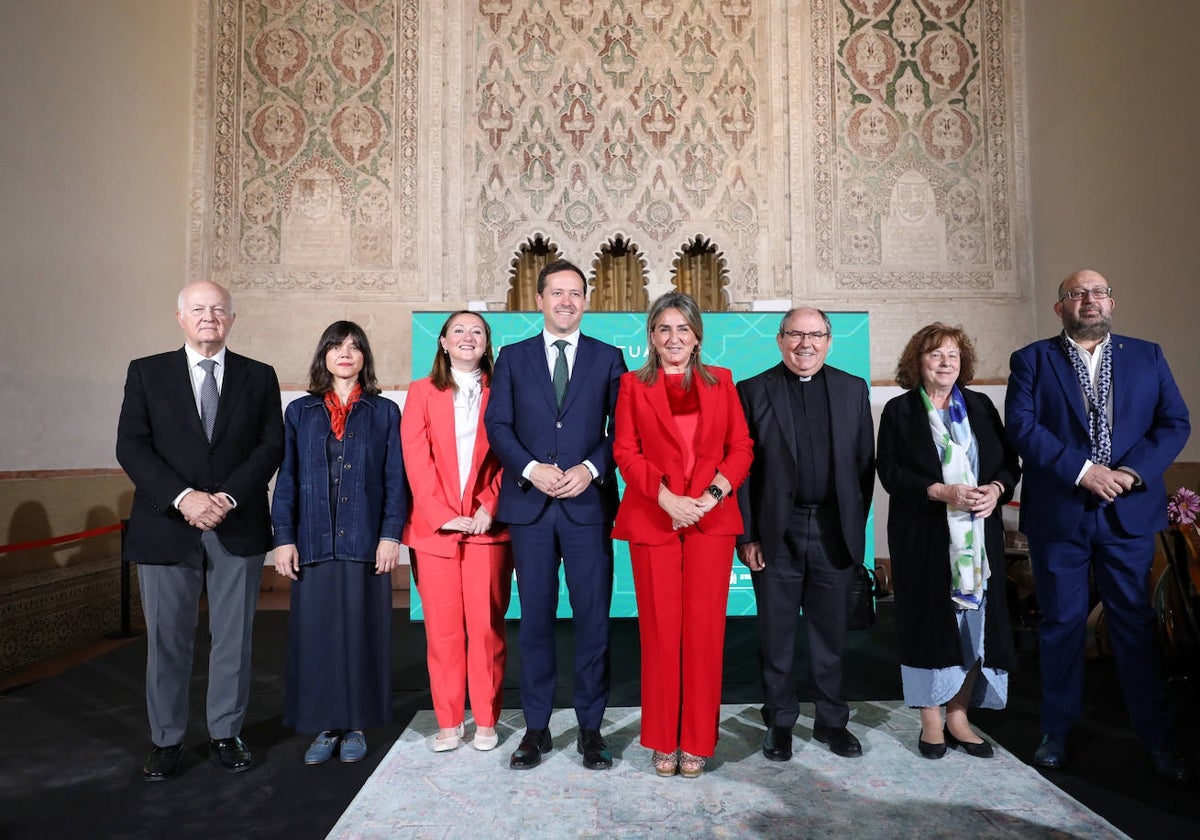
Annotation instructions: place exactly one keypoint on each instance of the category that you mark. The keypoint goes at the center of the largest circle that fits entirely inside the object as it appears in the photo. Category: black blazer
(919, 538)
(766, 497)
(162, 447)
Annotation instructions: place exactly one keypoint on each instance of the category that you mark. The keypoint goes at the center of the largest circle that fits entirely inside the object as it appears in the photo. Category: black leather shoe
(1170, 764)
(231, 754)
(161, 763)
(777, 743)
(839, 739)
(929, 750)
(1051, 753)
(528, 755)
(591, 746)
(979, 749)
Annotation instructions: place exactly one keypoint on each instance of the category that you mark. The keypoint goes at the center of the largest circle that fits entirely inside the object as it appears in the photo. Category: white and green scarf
(968, 557)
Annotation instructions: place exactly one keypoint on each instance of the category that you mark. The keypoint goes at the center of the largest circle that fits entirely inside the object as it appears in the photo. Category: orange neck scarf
(338, 412)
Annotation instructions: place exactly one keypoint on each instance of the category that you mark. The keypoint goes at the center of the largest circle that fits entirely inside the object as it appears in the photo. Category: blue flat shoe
(354, 747)
(321, 749)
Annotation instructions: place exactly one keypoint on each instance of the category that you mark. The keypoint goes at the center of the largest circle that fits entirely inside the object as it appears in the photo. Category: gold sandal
(691, 766)
(665, 764)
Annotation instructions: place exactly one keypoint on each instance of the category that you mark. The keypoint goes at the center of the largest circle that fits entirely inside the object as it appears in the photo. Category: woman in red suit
(683, 448)
(463, 563)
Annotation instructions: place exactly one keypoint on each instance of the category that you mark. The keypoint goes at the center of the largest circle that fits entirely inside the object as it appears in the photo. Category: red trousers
(465, 598)
(682, 591)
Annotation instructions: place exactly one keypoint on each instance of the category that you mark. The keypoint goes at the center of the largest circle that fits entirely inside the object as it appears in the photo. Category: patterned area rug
(891, 792)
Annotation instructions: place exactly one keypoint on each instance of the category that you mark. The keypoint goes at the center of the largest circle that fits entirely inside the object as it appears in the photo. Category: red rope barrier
(82, 535)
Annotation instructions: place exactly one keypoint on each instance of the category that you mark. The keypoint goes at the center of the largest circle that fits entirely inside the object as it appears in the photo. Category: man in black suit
(200, 435)
(805, 511)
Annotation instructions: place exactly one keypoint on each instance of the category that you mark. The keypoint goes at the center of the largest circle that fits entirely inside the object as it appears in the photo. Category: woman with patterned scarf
(338, 513)
(948, 468)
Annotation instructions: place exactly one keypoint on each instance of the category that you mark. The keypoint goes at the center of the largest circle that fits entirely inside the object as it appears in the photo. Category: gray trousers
(171, 603)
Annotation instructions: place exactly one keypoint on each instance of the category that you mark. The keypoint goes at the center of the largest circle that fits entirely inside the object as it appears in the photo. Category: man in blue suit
(550, 422)
(1097, 419)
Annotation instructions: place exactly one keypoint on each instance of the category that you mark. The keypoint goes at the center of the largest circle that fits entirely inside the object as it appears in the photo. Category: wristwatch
(714, 491)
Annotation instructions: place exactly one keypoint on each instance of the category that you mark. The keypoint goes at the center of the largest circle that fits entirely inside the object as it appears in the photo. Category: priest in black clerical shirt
(805, 510)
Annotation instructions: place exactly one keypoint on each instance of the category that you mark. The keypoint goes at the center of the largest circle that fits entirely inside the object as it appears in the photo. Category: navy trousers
(585, 552)
(1121, 564)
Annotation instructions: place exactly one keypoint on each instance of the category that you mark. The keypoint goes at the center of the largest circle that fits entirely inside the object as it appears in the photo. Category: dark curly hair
(908, 369)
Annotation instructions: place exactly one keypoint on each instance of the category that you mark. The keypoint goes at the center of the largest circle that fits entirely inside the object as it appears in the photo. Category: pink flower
(1182, 507)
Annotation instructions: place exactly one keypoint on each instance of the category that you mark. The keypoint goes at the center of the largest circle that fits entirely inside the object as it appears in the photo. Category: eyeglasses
(1099, 293)
(797, 335)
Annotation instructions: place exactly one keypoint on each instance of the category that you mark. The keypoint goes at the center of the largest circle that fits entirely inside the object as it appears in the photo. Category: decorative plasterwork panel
(644, 118)
(917, 166)
(306, 170)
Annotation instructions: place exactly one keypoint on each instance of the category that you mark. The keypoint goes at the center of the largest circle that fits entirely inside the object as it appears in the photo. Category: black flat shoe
(928, 750)
(231, 754)
(777, 743)
(591, 746)
(161, 763)
(982, 749)
(528, 755)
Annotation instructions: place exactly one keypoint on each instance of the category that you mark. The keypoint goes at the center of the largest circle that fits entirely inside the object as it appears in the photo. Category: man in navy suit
(550, 422)
(1097, 419)
(200, 435)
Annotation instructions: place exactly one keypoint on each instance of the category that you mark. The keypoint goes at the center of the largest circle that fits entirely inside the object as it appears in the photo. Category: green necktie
(560, 372)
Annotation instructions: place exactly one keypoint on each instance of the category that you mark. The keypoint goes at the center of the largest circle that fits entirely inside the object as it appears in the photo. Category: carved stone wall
(646, 119)
(308, 181)
(855, 154)
(915, 158)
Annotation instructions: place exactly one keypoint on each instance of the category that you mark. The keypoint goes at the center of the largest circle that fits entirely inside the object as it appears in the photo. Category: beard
(1092, 329)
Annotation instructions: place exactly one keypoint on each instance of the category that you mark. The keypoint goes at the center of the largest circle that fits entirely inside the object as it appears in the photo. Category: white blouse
(466, 420)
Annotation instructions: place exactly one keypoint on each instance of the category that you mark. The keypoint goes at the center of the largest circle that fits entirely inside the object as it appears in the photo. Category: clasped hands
(1107, 483)
(560, 484)
(477, 524)
(684, 510)
(204, 510)
(980, 501)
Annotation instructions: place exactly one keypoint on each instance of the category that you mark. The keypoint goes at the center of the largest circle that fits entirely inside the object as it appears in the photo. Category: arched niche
(620, 283)
(700, 270)
(531, 257)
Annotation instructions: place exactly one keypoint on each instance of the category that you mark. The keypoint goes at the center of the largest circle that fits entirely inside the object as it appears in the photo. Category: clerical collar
(798, 378)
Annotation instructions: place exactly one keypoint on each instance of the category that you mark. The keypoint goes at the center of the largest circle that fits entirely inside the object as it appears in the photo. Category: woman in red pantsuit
(683, 447)
(463, 564)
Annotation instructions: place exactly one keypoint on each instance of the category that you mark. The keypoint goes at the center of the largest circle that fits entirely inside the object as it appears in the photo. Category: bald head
(1085, 277)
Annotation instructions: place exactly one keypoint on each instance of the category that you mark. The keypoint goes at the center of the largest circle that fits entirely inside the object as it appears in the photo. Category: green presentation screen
(744, 342)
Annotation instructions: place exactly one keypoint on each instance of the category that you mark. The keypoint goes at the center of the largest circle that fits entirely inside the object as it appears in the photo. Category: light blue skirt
(936, 686)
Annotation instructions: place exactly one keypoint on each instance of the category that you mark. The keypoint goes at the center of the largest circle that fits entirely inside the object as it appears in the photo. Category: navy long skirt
(339, 668)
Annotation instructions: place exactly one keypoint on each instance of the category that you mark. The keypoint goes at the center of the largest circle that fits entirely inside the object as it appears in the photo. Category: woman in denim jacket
(339, 508)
